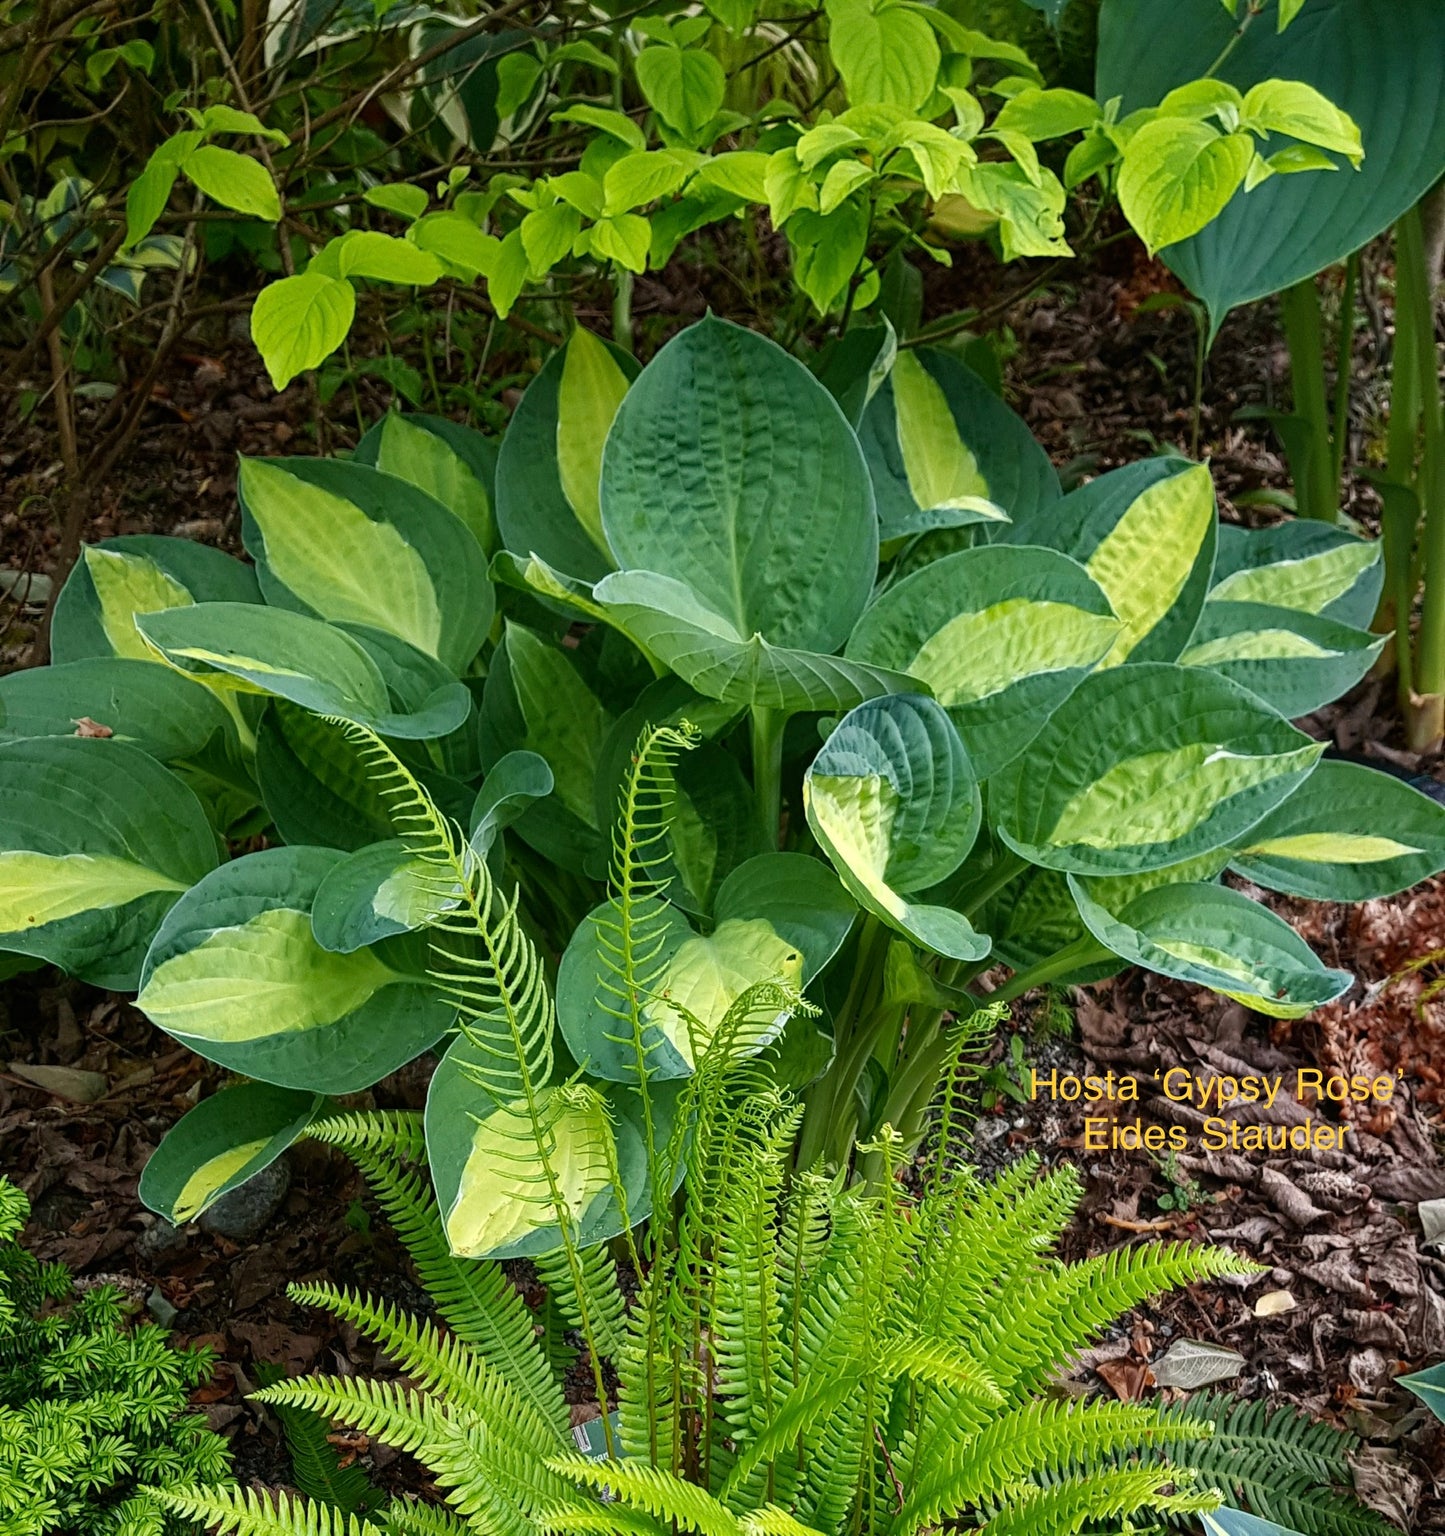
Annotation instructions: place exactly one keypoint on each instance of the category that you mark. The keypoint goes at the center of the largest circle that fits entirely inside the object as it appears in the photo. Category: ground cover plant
(93, 1420)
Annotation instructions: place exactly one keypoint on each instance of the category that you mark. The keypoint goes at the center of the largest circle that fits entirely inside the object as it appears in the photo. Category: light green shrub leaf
(1177, 175)
(686, 86)
(1047, 114)
(547, 236)
(406, 201)
(458, 242)
(625, 238)
(97, 841)
(642, 178)
(742, 172)
(886, 53)
(234, 180)
(300, 321)
(225, 1140)
(1145, 766)
(1349, 834)
(1295, 108)
(236, 974)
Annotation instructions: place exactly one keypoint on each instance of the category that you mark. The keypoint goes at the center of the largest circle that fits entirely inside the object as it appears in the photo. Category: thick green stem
(1006, 868)
(622, 309)
(1304, 331)
(1063, 962)
(768, 771)
(1344, 368)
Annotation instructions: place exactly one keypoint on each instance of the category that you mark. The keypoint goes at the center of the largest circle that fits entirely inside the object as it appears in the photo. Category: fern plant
(92, 1412)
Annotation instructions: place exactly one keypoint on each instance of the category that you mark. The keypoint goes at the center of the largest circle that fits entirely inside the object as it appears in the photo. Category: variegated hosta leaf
(347, 543)
(731, 470)
(893, 801)
(225, 1140)
(372, 894)
(1294, 661)
(453, 464)
(779, 917)
(944, 451)
(1001, 636)
(588, 396)
(537, 701)
(1146, 766)
(139, 573)
(97, 843)
(706, 651)
(1310, 566)
(512, 784)
(1034, 917)
(149, 706)
(1349, 834)
(254, 649)
(314, 782)
(1214, 937)
(1146, 534)
(489, 1179)
(534, 515)
(236, 974)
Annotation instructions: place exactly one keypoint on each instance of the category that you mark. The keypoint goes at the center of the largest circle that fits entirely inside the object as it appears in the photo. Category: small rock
(161, 1309)
(159, 1241)
(242, 1212)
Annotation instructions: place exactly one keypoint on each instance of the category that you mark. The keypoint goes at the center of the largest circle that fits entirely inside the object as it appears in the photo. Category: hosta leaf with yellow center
(503, 1194)
(423, 459)
(708, 974)
(1158, 797)
(976, 655)
(266, 977)
(856, 815)
(588, 395)
(126, 585)
(1206, 956)
(942, 471)
(1332, 848)
(337, 560)
(40, 888)
(1255, 645)
(198, 1190)
(1145, 560)
(1309, 584)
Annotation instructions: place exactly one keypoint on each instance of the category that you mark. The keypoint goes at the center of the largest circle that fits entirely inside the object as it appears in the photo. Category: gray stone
(159, 1241)
(159, 1308)
(241, 1213)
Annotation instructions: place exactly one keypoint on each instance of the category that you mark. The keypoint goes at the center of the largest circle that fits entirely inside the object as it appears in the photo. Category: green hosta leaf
(234, 180)
(1349, 834)
(1292, 226)
(449, 462)
(494, 1199)
(97, 841)
(1233, 1522)
(1177, 175)
(731, 469)
(1293, 661)
(853, 368)
(348, 543)
(699, 977)
(939, 443)
(314, 782)
(1302, 564)
(375, 893)
(886, 53)
(588, 396)
(1145, 766)
(799, 897)
(1034, 917)
(1146, 534)
(537, 701)
(300, 321)
(894, 803)
(151, 707)
(225, 1140)
(672, 623)
(1428, 1386)
(236, 974)
(686, 86)
(1001, 636)
(534, 514)
(139, 573)
(513, 782)
(1213, 937)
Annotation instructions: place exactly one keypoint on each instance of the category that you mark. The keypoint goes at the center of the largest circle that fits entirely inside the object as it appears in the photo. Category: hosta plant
(93, 1413)
(798, 1357)
(912, 713)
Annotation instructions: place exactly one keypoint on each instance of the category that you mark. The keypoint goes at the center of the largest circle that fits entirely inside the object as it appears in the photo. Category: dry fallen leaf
(71, 1083)
(1190, 1363)
(85, 726)
(1432, 1219)
(1272, 1303)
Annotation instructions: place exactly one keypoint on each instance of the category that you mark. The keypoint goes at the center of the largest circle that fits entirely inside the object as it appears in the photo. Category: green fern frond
(408, 1517)
(316, 1467)
(395, 1133)
(772, 1520)
(1065, 1508)
(653, 1491)
(245, 1512)
(605, 1519)
(1279, 1463)
(480, 1305)
(603, 1303)
(396, 1415)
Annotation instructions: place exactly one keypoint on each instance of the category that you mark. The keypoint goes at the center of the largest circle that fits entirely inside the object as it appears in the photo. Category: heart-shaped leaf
(1000, 635)
(1145, 766)
(893, 800)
